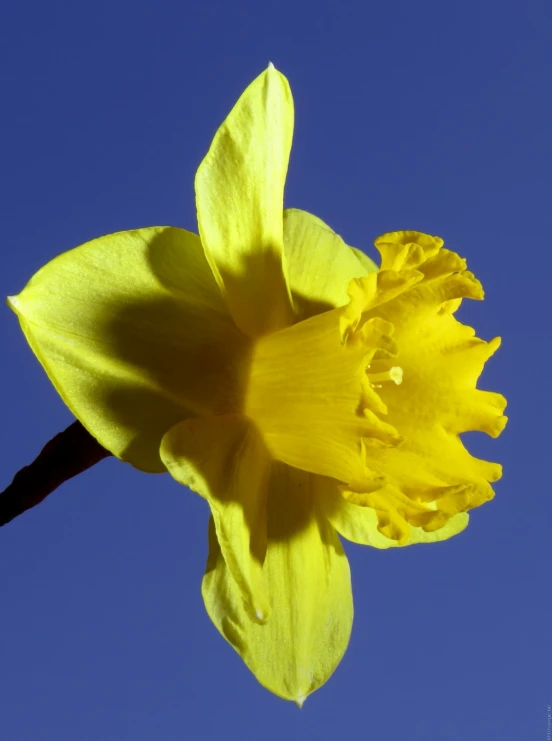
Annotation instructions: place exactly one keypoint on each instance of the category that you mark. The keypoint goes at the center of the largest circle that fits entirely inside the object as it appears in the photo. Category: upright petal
(135, 336)
(225, 461)
(320, 264)
(307, 579)
(240, 196)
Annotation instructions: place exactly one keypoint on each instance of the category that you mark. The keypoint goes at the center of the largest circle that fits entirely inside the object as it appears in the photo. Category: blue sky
(427, 115)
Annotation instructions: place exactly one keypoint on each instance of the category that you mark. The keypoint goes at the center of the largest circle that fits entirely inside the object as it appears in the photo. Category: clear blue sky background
(435, 116)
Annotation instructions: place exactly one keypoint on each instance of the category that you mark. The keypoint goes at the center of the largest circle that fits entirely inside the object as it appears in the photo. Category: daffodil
(274, 370)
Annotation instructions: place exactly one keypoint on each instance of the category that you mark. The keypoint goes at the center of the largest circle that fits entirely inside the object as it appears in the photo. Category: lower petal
(225, 461)
(306, 576)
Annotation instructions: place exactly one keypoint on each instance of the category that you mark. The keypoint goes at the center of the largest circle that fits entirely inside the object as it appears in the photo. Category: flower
(272, 369)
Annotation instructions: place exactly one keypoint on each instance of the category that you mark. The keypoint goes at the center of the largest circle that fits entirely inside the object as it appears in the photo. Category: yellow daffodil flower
(274, 370)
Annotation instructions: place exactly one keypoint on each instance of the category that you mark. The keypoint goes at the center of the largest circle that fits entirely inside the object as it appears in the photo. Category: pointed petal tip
(300, 701)
(271, 69)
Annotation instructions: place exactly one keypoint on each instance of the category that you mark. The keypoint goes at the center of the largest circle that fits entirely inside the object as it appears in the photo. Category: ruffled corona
(374, 394)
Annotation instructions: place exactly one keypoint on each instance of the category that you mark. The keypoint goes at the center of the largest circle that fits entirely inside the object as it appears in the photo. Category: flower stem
(67, 454)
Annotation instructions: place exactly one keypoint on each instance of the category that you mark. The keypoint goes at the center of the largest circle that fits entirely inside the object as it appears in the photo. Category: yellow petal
(239, 197)
(306, 576)
(225, 461)
(135, 336)
(368, 264)
(320, 264)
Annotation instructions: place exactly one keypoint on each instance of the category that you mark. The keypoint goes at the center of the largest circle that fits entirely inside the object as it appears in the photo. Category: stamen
(394, 374)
